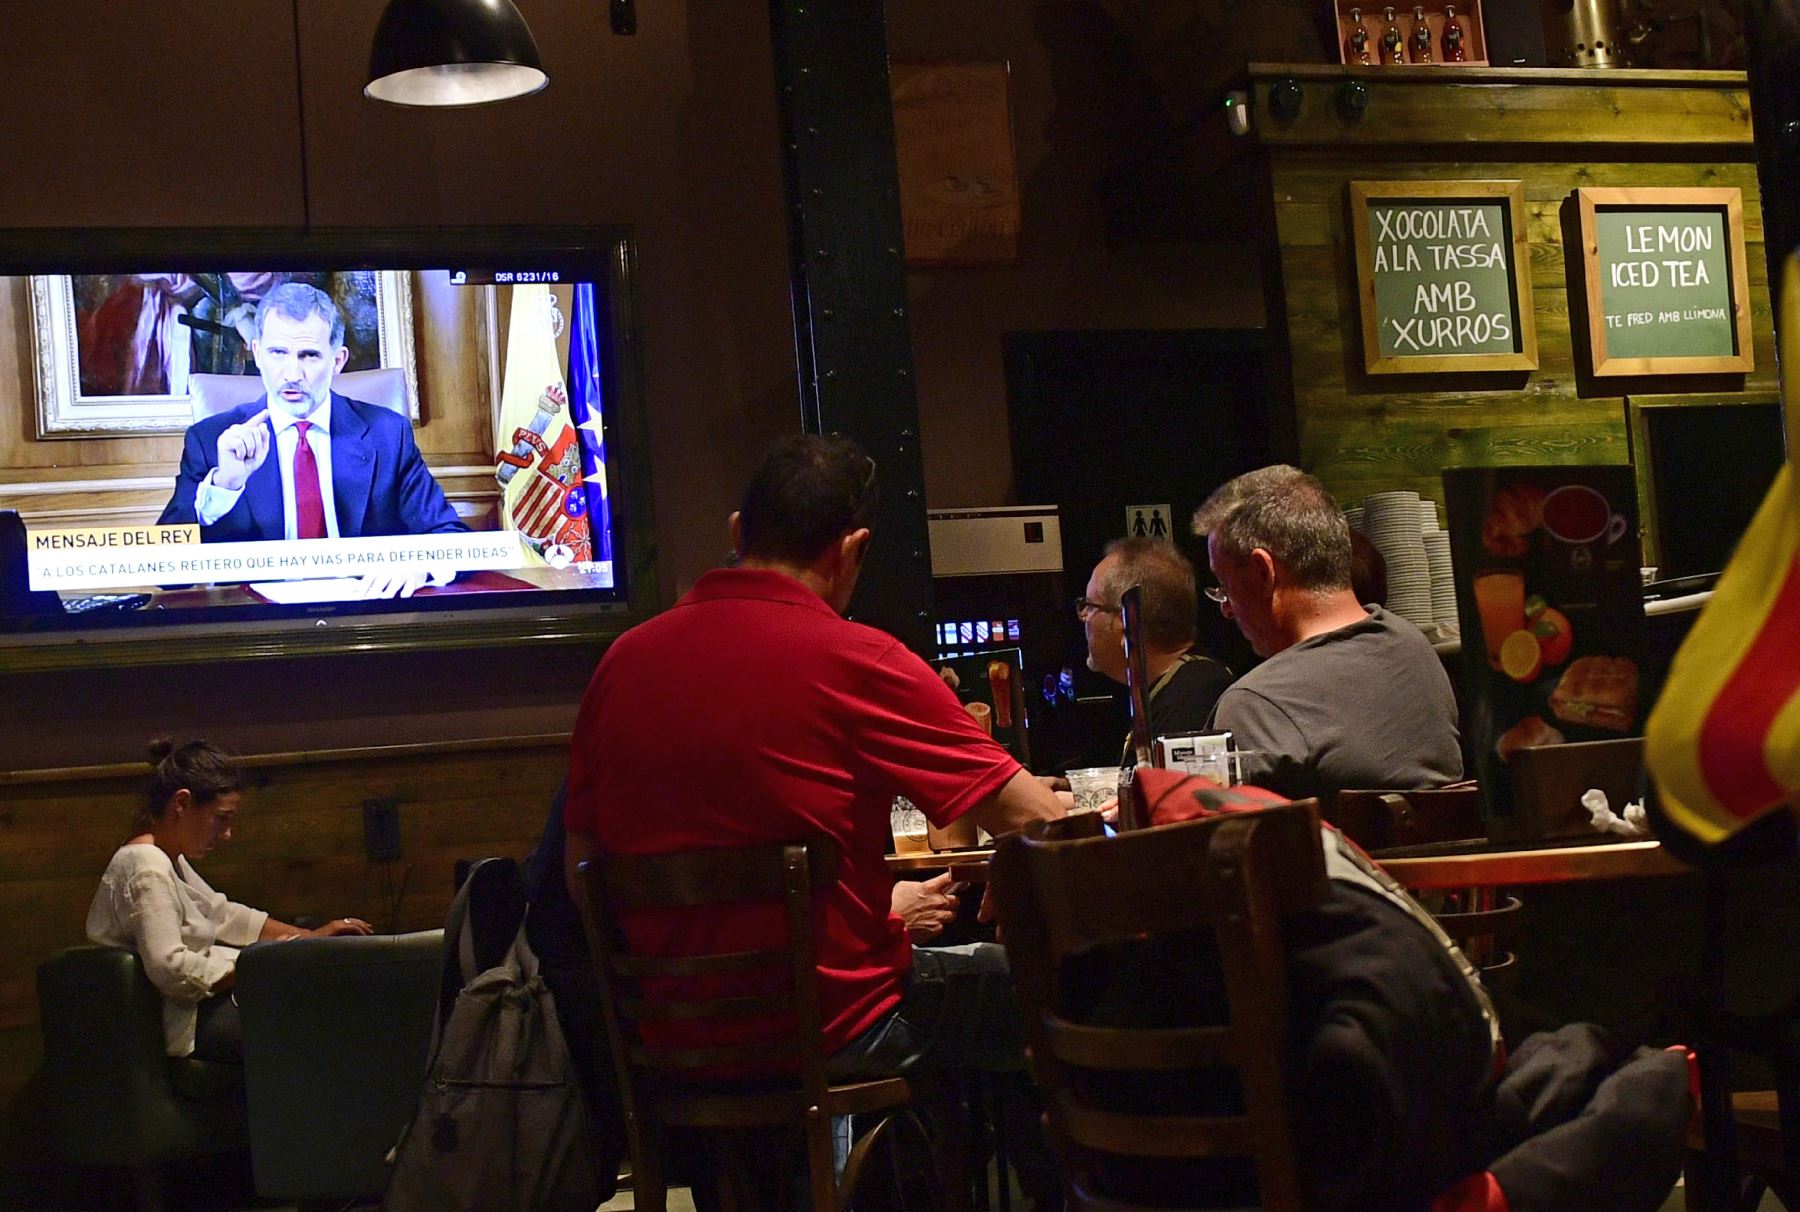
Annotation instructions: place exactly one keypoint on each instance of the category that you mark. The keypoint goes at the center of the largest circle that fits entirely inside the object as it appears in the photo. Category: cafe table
(1439, 867)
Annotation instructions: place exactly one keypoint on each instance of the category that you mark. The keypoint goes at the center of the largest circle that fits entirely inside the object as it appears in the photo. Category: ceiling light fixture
(445, 53)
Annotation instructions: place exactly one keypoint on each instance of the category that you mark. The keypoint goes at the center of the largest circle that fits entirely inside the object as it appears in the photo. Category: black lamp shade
(452, 52)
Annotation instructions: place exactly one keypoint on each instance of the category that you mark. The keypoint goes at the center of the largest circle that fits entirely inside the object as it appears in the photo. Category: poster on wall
(959, 185)
(1667, 281)
(991, 689)
(1443, 276)
(1550, 601)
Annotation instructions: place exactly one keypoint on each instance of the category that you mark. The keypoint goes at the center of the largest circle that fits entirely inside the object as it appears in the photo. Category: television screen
(251, 428)
(1712, 467)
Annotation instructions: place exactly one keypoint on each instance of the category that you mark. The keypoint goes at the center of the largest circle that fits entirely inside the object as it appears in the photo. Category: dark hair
(1288, 514)
(206, 772)
(1368, 570)
(1170, 600)
(301, 301)
(809, 492)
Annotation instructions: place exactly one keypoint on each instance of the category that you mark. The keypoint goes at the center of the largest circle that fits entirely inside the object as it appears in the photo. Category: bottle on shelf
(1421, 37)
(1392, 49)
(1357, 48)
(1453, 37)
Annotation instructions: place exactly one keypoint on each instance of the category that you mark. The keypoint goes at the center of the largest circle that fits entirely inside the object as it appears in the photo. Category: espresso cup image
(1577, 514)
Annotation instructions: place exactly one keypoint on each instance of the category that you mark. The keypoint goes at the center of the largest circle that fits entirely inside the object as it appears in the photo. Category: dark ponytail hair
(206, 772)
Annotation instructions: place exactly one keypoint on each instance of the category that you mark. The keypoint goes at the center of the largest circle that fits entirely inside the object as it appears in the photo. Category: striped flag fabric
(538, 462)
(585, 414)
(1724, 740)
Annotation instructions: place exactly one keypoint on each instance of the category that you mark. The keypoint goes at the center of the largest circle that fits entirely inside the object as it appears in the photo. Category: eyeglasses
(1083, 608)
(1215, 593)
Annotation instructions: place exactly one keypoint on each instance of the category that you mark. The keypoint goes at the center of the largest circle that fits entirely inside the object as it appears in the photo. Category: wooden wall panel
(156, 113)
(1363, 433)
(297, 849)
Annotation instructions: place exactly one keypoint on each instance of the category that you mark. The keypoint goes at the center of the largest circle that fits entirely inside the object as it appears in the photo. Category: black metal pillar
(1773, 53)
(849, 282)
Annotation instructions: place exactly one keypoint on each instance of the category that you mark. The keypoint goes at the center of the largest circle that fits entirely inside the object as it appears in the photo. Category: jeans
(958, 1016)
(218, 1031)
(957, 1013)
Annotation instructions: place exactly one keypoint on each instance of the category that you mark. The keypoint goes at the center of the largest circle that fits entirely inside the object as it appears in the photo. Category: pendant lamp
(452, 52)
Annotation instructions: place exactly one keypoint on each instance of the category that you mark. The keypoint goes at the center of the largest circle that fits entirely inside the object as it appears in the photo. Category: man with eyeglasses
(1347, 695)
(1184, 683)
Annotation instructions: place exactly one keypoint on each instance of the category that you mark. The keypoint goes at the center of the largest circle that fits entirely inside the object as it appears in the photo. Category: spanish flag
(1724, 740)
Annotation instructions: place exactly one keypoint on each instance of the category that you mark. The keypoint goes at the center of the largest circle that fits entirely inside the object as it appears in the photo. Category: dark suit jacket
(378, 480)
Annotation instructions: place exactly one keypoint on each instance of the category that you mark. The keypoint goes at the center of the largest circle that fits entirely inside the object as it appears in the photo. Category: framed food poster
(1551, 605)
(1443, 276)
(991, 688)
(1667, 281)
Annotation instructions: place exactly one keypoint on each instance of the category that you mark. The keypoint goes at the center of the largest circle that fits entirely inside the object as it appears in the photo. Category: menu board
(1443, 276)
(1551, 608)
(1666, 281)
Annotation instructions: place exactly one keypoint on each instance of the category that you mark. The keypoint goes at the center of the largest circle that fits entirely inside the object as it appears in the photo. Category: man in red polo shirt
(753, 712)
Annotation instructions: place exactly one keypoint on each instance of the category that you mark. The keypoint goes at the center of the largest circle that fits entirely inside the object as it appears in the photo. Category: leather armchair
(336, 1032)
(115, 1097)
(385, 387)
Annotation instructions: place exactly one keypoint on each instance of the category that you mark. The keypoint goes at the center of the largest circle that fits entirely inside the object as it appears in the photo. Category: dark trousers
(218, 1031)
(957, 1018)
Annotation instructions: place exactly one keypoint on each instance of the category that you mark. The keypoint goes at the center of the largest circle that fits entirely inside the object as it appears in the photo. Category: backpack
(501, 1126)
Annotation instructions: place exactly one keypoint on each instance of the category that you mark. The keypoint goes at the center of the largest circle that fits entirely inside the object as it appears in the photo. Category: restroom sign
(1149, 521)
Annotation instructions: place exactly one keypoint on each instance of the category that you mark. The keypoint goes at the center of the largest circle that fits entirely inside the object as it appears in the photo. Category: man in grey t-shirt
(1346, 696)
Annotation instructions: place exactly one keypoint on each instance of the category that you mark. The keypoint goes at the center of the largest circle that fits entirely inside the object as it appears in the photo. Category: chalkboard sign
(1443, 276)
(1667, 285)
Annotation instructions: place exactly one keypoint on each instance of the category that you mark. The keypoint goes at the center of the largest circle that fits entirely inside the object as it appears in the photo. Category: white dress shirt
(212, 502)
(186, 935)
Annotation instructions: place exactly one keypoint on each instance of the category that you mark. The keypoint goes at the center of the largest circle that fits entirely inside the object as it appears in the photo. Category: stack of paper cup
(1443, 580)
(1391, 522)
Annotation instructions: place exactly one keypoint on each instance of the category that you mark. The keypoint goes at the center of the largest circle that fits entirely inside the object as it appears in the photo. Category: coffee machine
(999, 584)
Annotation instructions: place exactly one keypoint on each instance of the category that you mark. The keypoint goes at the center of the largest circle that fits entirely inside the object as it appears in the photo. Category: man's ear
(343, 356)
(734, 526)
(1262, 569)
(854, 546)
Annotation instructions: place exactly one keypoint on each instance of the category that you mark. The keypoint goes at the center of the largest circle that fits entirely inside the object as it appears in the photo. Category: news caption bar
(126, 558)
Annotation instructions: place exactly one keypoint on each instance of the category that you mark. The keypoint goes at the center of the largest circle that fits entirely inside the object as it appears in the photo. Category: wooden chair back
(1486, 933)
(1549, 781)
(1236, 875)
(661, 1086)
(1380, 820)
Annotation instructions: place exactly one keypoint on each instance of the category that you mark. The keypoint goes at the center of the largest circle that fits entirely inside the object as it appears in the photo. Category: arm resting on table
(1021, 800)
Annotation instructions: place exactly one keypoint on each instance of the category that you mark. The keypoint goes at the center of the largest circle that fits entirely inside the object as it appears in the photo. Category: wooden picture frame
(1514, 244)
(63, 333)
(1727, 200)
(959, 180)
(1639, 413)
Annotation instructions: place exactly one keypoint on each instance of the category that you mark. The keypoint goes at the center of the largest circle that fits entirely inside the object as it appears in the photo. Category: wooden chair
(1235, 875)
(1762, 1164)
(1549, 781)
(1486, 936)
(1382, 820)
(1483, 921)
(663, 1087)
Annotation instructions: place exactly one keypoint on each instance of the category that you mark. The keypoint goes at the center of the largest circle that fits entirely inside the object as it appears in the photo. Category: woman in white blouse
(186, 935)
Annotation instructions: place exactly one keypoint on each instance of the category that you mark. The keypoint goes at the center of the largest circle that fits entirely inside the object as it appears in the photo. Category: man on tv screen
(304, 462)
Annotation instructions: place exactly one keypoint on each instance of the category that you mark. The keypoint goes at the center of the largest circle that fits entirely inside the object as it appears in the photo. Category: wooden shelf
(1426, 112)
(1438, 73)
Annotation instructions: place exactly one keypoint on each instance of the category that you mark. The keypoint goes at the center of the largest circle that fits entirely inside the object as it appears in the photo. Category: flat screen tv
(354, 433)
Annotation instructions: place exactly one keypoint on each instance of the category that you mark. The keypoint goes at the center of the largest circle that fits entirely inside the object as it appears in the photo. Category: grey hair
(1171, 601)
(1286, 513)
(299, 301)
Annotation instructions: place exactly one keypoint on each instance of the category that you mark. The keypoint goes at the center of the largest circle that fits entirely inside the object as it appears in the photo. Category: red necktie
(309, 502)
